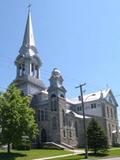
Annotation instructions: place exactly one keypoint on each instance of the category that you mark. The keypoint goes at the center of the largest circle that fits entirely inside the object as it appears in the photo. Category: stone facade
(60, 120)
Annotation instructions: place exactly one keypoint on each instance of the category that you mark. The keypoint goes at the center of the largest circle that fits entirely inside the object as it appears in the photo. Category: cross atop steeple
(29, 7)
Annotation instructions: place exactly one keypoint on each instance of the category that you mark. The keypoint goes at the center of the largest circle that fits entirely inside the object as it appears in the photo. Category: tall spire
(28, 35)
(28, 46)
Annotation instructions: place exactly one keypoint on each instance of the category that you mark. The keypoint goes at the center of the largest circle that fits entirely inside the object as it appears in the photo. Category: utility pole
(84, 120)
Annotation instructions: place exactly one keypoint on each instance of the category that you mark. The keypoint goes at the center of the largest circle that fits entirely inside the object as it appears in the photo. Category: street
(118, 158)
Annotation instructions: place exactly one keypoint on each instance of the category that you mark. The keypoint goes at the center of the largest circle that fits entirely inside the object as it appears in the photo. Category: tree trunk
(95, 151)
(8, 148)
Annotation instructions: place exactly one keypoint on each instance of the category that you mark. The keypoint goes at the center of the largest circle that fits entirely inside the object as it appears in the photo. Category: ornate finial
(29, 7)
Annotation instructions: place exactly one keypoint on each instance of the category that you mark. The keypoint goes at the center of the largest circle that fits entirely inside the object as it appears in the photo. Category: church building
(60, 119)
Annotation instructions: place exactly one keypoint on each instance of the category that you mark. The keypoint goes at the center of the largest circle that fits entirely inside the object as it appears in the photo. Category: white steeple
(28, 63)
(28, 47)
(29, 36)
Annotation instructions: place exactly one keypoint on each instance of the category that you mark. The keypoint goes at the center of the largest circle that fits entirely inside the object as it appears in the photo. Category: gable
(110, 98)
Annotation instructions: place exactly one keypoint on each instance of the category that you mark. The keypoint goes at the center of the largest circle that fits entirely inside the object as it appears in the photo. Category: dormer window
(93, 106)
(110, 99)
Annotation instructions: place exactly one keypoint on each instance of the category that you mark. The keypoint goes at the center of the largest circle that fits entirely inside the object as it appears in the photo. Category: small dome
(56, 72)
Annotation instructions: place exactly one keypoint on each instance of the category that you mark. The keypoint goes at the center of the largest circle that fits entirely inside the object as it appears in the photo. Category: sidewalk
(75, 152)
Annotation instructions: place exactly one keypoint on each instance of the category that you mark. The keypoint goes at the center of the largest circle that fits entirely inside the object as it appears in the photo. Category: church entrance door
(43, 136)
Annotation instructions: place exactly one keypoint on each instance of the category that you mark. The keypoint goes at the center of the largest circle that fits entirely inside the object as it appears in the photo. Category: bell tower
(28, 63)
(56, 88)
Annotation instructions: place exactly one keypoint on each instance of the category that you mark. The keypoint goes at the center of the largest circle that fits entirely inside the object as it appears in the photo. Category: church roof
(75, 114)
(114, 131)
(94, 96)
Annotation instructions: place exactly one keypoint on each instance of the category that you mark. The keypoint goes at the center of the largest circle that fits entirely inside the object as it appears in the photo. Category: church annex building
(60, 119)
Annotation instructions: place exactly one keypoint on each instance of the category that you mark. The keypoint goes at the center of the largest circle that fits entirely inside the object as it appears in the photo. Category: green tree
(97, 140)
(16, 117)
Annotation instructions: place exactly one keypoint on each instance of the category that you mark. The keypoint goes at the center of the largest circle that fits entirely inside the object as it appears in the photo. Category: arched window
(46, 115)
(23, 69)
(42, 115)
(54, 123)
(64, 133)
(76, 129)
(53, 104)
(111, 113)
(53, 95)
(20, 70)
(63, 116)
(36, 71)
(62, 95)
(32, 69)
(38, 114)
(70, 124)
(108, 111)
(70, 134)
(109, 130)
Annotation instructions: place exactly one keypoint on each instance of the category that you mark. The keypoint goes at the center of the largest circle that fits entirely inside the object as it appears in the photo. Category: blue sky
(79, 37)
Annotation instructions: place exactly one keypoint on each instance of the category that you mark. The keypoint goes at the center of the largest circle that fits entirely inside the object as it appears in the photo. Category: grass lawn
(114, 152)
(30, 155)
(39, 153)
